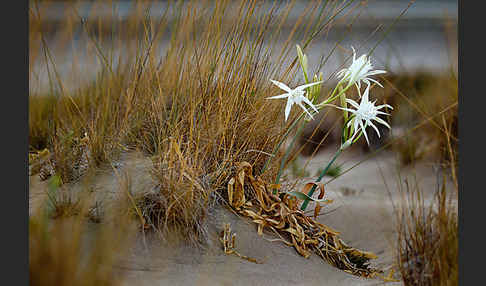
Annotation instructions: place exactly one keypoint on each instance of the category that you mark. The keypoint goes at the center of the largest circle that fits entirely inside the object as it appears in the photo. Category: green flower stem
(332, 97)
(345, 114)
(287, 153)
(323, 173)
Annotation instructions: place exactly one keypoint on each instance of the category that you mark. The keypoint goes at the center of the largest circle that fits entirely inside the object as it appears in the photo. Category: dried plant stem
(280, 214)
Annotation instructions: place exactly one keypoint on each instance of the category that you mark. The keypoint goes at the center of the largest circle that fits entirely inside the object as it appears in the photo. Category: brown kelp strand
(280, 214)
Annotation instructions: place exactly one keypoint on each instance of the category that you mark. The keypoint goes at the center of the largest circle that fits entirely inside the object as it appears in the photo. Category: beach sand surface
(362, 211)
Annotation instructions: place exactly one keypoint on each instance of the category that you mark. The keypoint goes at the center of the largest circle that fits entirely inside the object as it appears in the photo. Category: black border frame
(14, 209)
(15, 203)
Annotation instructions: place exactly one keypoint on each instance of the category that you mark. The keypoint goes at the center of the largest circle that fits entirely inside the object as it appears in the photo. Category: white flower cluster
(364, 113)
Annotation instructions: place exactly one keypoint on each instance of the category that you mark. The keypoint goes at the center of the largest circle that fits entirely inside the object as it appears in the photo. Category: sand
(362, 211)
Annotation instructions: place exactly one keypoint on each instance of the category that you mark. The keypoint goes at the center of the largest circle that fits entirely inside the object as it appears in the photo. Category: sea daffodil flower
(295, 96)
(364, 113)
(360, 70)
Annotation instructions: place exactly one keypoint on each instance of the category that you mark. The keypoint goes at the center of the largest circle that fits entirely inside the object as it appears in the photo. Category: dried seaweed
(228, 239)
(280, 214)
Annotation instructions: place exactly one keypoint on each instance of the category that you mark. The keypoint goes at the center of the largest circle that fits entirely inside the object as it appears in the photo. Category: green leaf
(303, 62)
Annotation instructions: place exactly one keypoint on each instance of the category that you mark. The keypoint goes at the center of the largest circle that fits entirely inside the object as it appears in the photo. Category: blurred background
(405, 36)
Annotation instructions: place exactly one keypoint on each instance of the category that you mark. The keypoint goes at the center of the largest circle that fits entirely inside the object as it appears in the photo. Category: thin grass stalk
(277, 147)
(287, 153)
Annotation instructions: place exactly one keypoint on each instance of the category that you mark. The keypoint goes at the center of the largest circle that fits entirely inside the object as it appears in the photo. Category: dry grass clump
(417, 98)
(427, 246)
(71, 251)
(79, 128)
(189, 91)
(180, 200)
(40, 121)
(201, 109)
(428, 240)
(61, 202)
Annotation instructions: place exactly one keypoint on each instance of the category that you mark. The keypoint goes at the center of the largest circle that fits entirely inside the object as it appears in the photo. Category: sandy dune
(362, 211)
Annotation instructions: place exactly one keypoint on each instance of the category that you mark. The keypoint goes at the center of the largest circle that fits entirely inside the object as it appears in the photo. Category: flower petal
(366, 94)
(306, 100)
(305, 109)
(346, 109)
(379, 120)
(370, 79)
(352, 102)
(356, 124)
(302, 87)
(375, 72)
(281, 85)
(285, 95)
(374, 127)
(364, 132)
(341, 73)
(288, 107)
(382, 113)
(384, 105)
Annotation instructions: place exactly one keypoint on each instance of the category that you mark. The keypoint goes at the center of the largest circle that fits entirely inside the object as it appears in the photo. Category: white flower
(358, 71)
(365, 112)
(296, 96)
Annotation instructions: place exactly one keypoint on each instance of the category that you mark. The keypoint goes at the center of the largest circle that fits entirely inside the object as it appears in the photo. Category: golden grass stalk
(427, 248)
(428, 237)
(72, 251)
(189, 91)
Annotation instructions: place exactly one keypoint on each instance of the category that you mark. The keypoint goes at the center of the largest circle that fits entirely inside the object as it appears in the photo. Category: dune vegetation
(189, 90)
